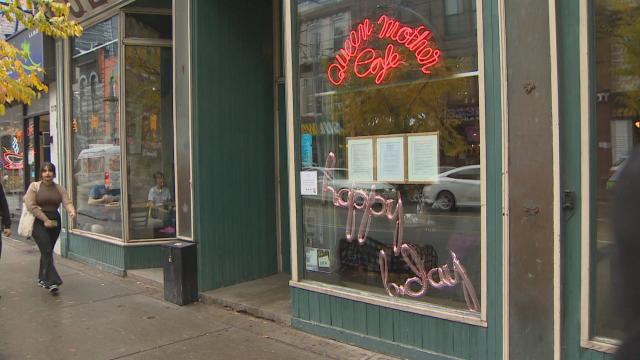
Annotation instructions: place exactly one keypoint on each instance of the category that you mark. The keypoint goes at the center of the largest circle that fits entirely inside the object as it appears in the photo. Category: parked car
(615, 171)
(457, 187)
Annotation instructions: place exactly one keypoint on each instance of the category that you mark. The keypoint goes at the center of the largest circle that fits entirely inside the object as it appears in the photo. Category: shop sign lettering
(368, 62)
(360, 200)
(324, 128)
(82, 9)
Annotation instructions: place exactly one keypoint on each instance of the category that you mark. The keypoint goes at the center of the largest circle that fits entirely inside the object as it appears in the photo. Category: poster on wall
(360, 155)
(390, 159)
(422, 152)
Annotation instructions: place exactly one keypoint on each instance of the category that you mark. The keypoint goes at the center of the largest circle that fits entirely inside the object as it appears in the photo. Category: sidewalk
(101, 316)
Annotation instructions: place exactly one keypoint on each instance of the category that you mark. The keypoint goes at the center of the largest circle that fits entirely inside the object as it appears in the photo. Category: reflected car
(615, 171)
(339, 179)
(454, 188)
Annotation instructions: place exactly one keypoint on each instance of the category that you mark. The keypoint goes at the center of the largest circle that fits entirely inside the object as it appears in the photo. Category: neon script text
(375, 205)
(370, 62)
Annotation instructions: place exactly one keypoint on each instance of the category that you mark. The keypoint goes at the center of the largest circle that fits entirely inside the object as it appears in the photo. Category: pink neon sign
(354, 200)
(368, 62)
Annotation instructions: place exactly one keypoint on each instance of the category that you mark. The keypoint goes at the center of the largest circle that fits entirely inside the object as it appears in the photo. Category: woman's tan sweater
(47, 197)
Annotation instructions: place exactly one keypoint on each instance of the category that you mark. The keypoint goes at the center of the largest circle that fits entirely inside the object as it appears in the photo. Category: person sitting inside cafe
(159, 202)
(102, 194)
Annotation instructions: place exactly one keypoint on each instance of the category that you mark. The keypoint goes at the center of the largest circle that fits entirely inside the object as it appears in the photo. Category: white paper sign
(308, 183)
(390, 159)
(423, 157)
(360, 159)
(311, 256)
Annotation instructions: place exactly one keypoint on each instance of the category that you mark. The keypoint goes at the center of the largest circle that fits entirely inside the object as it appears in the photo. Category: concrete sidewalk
(101, 316)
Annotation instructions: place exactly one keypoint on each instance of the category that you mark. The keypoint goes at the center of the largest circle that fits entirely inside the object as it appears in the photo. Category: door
(598, 129)
(37, 145)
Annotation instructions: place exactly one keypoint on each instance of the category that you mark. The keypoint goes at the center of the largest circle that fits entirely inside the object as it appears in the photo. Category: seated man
(159, 202)
(102, 194)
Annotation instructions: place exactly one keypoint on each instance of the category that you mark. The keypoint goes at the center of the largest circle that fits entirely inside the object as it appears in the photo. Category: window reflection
(347, 108)
(618, 131)
(95, 130)
(150, 142)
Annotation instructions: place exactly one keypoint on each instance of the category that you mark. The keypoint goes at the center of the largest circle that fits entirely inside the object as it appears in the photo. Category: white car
(457, 187)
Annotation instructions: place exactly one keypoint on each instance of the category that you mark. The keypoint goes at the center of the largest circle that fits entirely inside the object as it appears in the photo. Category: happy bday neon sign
(423, 279)
(368, 62)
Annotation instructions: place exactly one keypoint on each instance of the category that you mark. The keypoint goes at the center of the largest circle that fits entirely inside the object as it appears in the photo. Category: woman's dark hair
(48, 165)
(158, 174)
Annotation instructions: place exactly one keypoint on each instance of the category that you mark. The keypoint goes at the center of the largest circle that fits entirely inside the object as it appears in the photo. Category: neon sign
(415, 286)
(368, 62)
(13, 160)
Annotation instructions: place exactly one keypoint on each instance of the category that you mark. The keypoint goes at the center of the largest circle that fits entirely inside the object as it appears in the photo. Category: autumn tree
(20, 79)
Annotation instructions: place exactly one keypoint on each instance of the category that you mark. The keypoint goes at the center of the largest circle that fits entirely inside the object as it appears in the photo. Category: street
(98, 315)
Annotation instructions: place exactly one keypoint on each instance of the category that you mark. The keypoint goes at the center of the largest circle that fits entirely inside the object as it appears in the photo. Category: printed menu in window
(360, 159)
(422, 151)
(390, 156)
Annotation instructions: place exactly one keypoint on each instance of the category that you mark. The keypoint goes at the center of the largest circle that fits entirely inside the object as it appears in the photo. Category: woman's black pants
(46, 239)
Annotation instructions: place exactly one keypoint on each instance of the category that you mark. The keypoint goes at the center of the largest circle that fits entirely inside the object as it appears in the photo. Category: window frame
(123, 42)
(588, 188)
(292, 63)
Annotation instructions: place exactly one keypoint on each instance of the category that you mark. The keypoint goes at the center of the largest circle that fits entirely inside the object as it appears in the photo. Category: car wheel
(445, 201)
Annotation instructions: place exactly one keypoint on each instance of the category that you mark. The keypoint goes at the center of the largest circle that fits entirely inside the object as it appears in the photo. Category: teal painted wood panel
(97, 251)
(233, 140)
(143, 257)
(415, 333)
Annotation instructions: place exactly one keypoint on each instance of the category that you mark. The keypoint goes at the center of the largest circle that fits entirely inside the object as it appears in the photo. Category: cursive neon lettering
(360, 200)
(368, 62)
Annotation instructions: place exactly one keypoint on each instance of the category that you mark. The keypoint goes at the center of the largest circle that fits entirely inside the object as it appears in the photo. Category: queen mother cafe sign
(355, 57)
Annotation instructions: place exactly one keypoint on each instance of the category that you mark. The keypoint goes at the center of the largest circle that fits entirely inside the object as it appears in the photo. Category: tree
(20, 80)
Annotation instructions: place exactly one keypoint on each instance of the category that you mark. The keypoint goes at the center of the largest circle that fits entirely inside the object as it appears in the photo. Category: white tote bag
(25, 226)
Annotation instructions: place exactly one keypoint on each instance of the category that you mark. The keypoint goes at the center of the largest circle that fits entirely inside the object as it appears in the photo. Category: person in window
(103, 194)
(159, 202)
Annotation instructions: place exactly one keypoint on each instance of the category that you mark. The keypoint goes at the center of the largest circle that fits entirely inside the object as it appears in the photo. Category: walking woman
(43, 199)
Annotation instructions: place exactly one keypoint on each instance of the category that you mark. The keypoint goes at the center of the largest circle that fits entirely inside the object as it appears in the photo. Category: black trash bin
(180, 272)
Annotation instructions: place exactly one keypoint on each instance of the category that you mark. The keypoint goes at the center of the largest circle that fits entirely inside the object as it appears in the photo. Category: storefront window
(149, 91)
(12, 170)
(617, 127)
(95, 126)
(390, 150)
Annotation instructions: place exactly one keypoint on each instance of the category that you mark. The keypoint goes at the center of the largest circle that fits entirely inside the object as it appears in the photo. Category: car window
(466, 174)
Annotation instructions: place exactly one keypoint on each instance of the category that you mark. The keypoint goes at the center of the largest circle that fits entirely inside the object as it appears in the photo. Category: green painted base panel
(390, 331)
(110, 257)
(368, 342)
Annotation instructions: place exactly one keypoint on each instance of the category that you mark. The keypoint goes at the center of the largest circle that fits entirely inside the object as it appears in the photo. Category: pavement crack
(170, 343)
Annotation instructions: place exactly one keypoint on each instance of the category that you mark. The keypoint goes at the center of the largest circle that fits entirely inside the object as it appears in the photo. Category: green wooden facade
(114, 258)
(233, 142)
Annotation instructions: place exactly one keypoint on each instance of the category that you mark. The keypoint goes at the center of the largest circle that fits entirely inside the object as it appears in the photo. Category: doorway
(37, 145)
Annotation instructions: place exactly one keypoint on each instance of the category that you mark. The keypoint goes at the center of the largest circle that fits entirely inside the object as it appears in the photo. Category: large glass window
(617, 131)
(147, 148)
(150, 142)
(95, 128)
(12, 141)
(390, 151)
